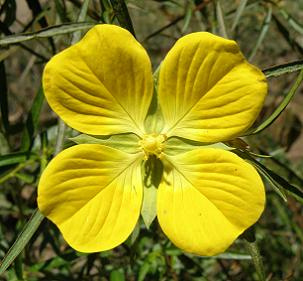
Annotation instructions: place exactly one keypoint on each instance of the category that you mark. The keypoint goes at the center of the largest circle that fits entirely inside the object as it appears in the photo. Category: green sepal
(152, 175)
(149, 205)
(154, 121)
(125, 142)
(177, 145)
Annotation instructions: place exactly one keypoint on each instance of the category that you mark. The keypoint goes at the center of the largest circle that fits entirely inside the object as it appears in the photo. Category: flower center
(153, 144)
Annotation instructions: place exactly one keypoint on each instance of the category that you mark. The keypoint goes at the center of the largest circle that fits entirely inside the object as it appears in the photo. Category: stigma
(153, 144)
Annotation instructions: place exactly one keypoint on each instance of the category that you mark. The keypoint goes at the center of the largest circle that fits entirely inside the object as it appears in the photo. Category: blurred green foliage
(269, 33)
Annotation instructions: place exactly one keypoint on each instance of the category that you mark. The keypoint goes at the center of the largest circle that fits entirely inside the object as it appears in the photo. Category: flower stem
(253, 250)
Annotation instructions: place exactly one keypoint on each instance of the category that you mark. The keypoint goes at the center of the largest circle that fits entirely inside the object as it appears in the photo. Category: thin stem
(13, 172)
(253, 250)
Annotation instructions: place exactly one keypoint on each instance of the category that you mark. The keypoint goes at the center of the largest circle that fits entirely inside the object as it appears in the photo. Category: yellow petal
(93, 193)
(207, 90)
(207, 198)
(103, 84)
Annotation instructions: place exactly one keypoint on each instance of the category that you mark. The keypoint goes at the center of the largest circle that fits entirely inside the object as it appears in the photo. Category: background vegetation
(269, 33)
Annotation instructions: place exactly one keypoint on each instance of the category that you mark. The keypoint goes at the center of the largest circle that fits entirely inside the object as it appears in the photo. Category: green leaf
(291, 21)
(239, 12)
(46, 32)
(53, 263)
(188, 16)
(25, 177)
(117, 275)
(283, 69)
(286, 220)
(279, 184)
(143, 271)
(262, 33)
(22, 240)
(288, 36)
(14, 158)
(220, 19)
(280, 108)
(32, 121)
(277, 188)
(284, 169)
(121, 12)
(36, 219)
(107, 11)
(126, 142)
(18, 266)
(61, 11)
(77, 34)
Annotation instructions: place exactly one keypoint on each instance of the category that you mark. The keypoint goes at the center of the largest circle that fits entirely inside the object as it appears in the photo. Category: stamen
(153, 144)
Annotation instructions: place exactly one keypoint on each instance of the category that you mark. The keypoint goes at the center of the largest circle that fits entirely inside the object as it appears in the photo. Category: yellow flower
(207, 93)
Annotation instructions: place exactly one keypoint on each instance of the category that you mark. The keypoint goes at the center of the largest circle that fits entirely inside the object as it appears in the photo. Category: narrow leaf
(122, 15)
(239, 12)
(117, 275)
(188, 16)
(280, 108)
(23, 238)
(262, 34)
(36, 219)
(32, 121)
(291, 21)
(61, 11)
(77, 34)
(220, 18)
(40, 17)
(14, 158)
(289, 38)
(283, 69)
(46, 32)
(274, 185)
(275, 179)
